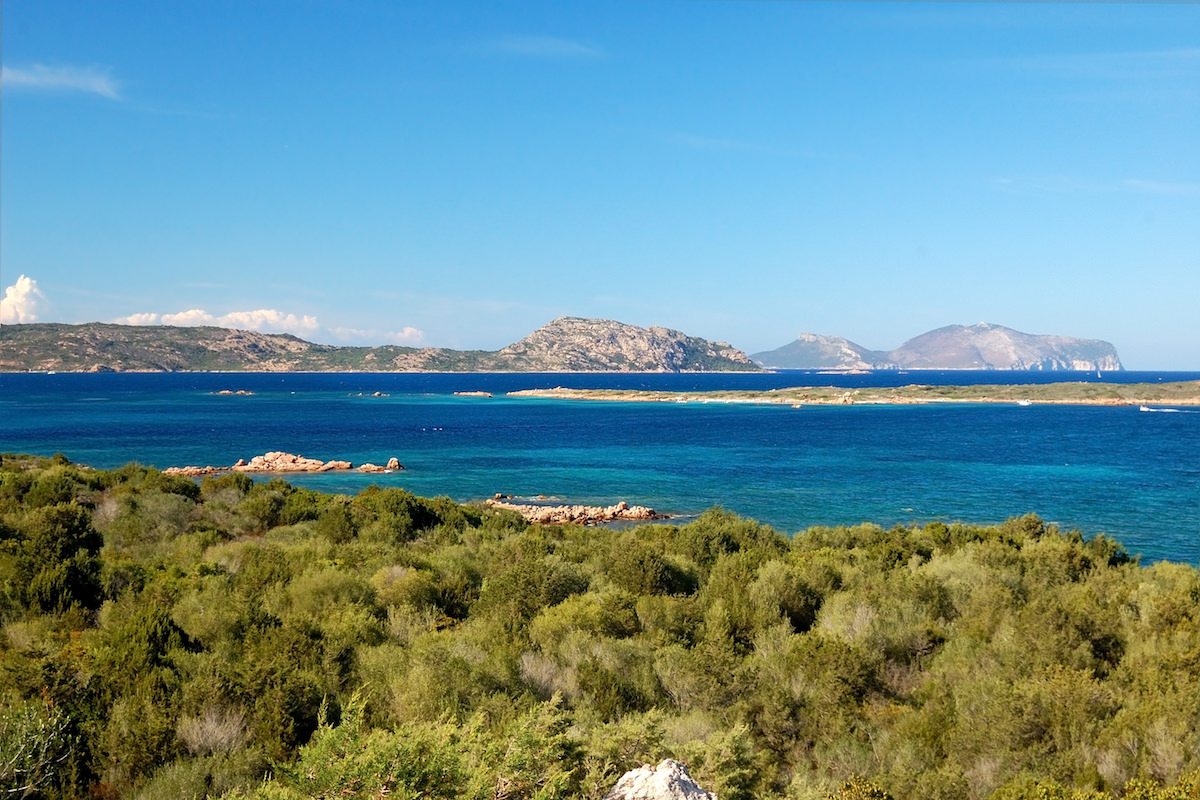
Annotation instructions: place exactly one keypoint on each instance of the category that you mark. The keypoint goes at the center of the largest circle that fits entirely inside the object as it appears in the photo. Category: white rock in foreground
(668, 781)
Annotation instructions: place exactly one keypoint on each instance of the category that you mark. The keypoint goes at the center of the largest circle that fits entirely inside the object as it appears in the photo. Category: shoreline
(1185, 393)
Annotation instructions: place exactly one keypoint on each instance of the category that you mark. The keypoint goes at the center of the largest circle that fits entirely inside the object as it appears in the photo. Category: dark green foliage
(529, 576)
(264, 504)
(337, 522)
(51, 488)
(642, 568)
(167, 639)
(58, 587)
(156, 481)
(54, 533)
(240, 482)
(56, 558)
(717, 531)
(301, 505)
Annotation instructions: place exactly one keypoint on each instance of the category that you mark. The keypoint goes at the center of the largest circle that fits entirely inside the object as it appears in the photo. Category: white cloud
(194, 316)
(138, 319)
(269, 320)
(264, 320)
(21, 301)
(95, 80)
(545, 47)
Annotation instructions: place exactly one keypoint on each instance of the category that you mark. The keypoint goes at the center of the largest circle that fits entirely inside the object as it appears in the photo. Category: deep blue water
(1133, 475)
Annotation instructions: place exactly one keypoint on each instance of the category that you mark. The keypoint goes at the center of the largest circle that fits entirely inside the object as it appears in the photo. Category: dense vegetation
(164, 638)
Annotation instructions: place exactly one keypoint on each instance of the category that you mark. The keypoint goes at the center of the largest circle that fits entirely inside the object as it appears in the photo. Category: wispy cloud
(264, 320)
(21, 301)
(544, 47)
(40, 78)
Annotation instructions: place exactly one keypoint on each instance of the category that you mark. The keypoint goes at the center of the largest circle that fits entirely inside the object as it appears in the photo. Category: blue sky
(459, 174)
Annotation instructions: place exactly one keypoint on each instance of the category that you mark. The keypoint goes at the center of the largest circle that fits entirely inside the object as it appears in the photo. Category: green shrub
(351, 761)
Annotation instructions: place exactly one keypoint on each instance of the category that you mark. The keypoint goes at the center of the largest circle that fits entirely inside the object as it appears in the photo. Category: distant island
(568, 344)
(978, 347)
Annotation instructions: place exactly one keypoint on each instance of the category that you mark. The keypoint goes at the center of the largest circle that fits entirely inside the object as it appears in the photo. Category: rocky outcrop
(667, 781)
(979, 347)
(280, 462)
(579, 514)
(392, 465)
(572, 344)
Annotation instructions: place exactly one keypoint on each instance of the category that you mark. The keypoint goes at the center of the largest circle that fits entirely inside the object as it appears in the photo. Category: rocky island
(977, 347)
(281, 462)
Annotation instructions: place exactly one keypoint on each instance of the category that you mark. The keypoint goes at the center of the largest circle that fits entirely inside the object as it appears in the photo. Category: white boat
(1024, 402)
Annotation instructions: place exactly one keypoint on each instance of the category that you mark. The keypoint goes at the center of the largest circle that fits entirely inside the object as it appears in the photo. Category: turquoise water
(1133, 475)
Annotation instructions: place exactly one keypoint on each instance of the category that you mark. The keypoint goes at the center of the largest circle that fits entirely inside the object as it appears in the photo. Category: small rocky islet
(280, 462)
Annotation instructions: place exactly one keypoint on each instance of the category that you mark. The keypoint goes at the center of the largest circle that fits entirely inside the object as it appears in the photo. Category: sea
(1116, 470)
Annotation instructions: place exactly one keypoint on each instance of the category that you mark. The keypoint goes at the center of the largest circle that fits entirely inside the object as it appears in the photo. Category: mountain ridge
(566, 344)
(984, 346)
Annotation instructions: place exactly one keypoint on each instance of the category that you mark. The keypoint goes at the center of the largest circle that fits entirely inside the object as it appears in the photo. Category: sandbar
(1182, 393)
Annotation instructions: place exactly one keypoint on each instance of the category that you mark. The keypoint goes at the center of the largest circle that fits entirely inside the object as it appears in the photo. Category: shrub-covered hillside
(163, 638)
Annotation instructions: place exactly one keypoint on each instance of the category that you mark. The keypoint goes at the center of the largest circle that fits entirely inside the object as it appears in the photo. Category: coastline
(1185, 393)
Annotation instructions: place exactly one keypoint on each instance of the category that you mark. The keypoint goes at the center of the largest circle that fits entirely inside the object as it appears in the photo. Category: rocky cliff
(565, 345)
(983, 347)
(571, 344)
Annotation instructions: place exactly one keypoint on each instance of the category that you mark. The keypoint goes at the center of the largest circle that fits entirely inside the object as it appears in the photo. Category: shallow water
(1133, 475)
